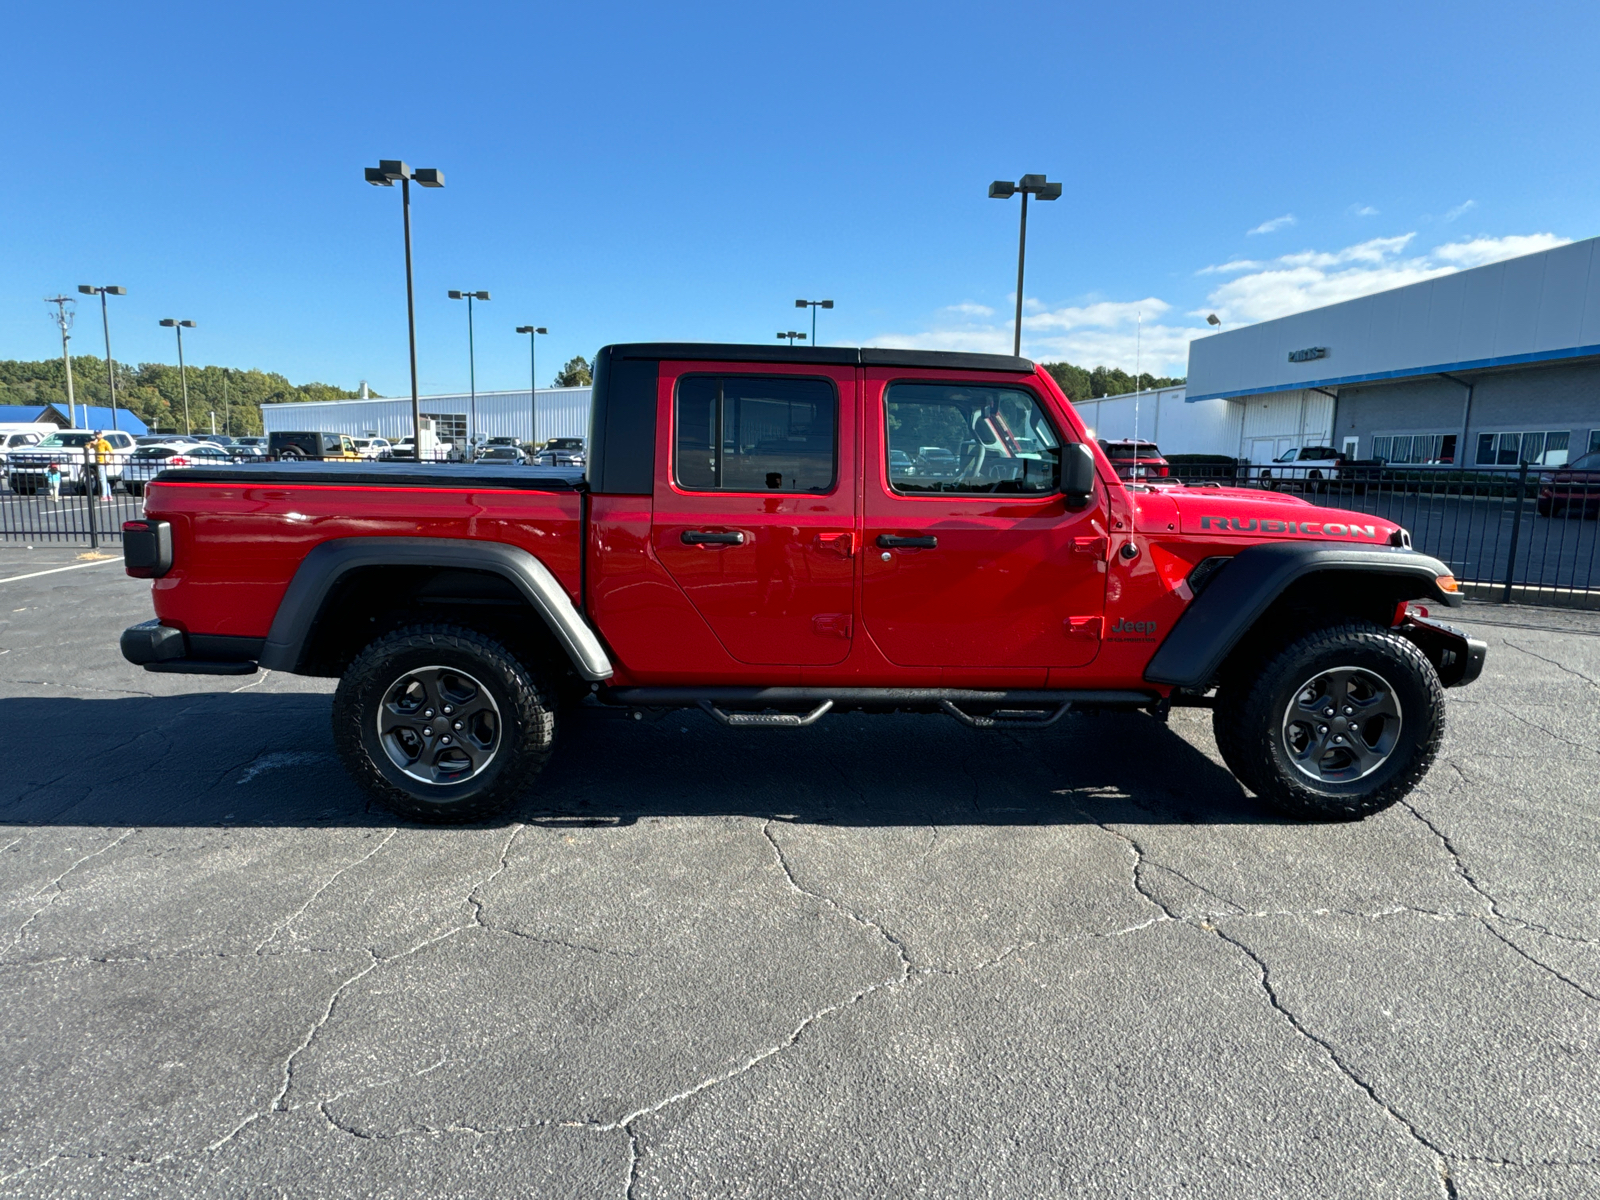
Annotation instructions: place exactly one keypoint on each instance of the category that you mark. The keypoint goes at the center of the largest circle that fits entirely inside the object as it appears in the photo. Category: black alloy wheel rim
(439, 725)
(1341, 725)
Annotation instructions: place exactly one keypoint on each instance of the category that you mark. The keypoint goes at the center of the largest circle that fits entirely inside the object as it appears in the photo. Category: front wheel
(1339, 725)
(443, 724)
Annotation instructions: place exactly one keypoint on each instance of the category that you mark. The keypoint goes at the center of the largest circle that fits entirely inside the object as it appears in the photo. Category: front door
(756, 519)
(970, 556)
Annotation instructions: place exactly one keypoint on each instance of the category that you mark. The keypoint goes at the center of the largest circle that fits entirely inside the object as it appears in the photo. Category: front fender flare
(327, 563)
(1242, 592)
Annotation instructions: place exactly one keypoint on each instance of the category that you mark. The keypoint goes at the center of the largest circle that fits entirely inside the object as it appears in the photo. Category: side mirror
(1078, 474)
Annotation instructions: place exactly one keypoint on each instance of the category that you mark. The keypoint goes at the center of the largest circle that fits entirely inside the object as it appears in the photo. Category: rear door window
(764, 433)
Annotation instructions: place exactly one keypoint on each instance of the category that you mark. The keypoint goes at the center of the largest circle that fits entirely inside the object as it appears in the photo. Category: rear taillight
(177, 460)
(1161, 471)
(147, 548)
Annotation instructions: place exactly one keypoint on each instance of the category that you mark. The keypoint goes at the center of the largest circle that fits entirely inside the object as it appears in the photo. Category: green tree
(575, 374)
(153, 392)
(1081, 384)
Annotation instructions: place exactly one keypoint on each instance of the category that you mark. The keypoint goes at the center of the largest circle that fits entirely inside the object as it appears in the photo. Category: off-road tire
(1250, 718)
(525, 711)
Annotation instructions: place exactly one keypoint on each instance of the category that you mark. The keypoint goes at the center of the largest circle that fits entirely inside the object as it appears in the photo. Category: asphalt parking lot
(883, 956)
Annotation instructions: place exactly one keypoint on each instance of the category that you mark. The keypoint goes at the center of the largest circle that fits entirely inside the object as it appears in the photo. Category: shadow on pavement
(268, 759)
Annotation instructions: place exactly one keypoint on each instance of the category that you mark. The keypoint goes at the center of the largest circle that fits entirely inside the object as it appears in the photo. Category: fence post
(1516, 530)
(90, 479)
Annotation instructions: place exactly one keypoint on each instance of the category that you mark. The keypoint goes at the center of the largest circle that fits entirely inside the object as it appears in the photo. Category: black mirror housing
(1077, 474)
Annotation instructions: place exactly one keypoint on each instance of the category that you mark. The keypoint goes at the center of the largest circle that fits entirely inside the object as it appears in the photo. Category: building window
(1594, 440)
(1415, 447)
(766, 433)
(1536, 448)
(449, 427)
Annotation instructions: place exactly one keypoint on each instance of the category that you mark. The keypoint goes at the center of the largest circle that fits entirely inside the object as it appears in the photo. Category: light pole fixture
(105, 321)
(472, 368)
(813, 305)
(1213, 320)
(384, 175)
(533, 332)
(792, 336)
(183, 376)
(1028, 185)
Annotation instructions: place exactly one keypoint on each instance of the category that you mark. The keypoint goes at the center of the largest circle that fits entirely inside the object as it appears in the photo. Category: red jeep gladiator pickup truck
(764, 533)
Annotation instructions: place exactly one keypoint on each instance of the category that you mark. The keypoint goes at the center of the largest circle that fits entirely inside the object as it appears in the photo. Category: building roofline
(1477, 364)
(420, 399)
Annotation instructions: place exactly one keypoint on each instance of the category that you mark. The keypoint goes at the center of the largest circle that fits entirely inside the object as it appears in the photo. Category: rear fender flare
(327, 563)
(1252, 582)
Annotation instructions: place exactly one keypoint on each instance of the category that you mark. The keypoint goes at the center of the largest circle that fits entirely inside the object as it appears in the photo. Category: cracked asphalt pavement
(882, 956)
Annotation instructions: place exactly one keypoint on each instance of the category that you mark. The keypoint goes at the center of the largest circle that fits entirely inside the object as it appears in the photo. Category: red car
(739, 541)
(1572, 491)
(1135, 460)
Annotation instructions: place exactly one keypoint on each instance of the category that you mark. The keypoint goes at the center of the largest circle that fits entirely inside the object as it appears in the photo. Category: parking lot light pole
(183, 376)
(792, 336)
(1028, 185)
(533, 332)
(472, 368)
(813, 305)
(384, 175)
(105, 321)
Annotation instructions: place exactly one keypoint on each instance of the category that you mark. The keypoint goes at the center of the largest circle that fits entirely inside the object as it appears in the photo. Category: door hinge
(831, 625)
(842, 544)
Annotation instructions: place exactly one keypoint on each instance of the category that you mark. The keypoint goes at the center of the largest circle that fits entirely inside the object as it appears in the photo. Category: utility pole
(105, 321)
(63, 318)
(227, 405)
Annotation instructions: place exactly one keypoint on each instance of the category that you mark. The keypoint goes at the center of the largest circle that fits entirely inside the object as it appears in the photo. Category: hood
(1244, 513)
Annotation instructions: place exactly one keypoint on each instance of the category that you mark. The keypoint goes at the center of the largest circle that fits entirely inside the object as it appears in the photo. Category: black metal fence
(1515, 534)
(79, 501)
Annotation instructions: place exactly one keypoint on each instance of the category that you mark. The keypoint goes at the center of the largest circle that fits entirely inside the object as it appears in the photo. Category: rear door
(982, 565)
(755, 517)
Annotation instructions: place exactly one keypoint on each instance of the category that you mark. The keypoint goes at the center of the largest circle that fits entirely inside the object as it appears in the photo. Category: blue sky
(624, 172)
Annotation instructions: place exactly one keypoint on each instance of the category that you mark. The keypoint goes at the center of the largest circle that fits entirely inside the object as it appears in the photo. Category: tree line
(153, 392)
(1080, 383)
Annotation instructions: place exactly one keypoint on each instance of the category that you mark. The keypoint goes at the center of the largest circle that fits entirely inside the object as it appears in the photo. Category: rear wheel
(1338, 725)
(441, 723)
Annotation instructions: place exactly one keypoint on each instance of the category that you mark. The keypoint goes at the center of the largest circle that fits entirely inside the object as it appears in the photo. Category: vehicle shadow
(216, 759)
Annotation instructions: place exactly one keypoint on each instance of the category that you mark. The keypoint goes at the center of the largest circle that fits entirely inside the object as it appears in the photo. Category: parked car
(17, 441)
(318, 446)
(560, 452)
(373, 447)
(25, 468)
(937, 462)
(502, 454)
(146, 462)
(1135, 459)
(900, 465)
(1572, 491)
(774, 578)
(247, 449)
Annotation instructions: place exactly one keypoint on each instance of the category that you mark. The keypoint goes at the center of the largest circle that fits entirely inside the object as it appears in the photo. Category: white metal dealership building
(562, 412)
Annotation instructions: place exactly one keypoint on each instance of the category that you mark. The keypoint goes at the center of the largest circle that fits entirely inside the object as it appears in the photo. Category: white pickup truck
(1300, 468)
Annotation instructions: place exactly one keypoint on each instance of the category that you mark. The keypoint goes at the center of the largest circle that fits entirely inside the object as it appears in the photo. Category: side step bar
(1003, 709)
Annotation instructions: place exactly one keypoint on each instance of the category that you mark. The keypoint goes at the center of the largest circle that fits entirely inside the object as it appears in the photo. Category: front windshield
(56, 440)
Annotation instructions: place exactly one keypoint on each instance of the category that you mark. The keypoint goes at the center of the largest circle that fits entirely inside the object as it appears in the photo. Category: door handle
(890, 541)
(702, 537)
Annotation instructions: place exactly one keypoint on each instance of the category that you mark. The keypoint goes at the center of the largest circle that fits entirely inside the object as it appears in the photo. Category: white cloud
(968, 310)
(1362, 210)
(1235, 264)
(1478, 251)
(1461, 210)
(1310, 279)
(1273, 225)
(1105, 333)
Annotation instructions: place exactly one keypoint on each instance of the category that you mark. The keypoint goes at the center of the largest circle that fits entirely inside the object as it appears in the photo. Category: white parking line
(56, 570)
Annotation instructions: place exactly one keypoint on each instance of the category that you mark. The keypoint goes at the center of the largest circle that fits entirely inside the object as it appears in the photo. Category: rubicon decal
(1335, 529)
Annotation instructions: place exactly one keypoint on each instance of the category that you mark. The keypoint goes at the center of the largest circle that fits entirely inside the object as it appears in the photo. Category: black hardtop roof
(841, 356)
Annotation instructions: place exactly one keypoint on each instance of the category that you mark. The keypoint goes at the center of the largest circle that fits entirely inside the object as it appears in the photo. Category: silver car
(145, 463)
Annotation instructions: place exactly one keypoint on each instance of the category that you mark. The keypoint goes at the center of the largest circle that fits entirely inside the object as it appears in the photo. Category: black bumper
(1454, 653)
(158, 647)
